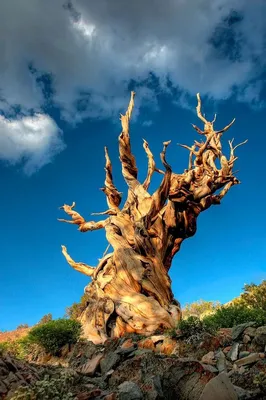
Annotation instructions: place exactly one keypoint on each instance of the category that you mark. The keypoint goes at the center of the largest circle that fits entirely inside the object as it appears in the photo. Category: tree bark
(130, 289)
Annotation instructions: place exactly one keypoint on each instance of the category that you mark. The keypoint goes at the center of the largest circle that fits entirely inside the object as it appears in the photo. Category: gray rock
(259, 340)
(3, 388)
(219, 388)
(129, 391)
(243, 354)
(233, 353)
(250, 359)
(155, 391)
(239, 329)
(250, 331)
(245, 394)
(109, 362)
(221, 362)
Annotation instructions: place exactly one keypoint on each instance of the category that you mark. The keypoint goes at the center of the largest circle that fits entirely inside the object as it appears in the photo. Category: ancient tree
(130, 289)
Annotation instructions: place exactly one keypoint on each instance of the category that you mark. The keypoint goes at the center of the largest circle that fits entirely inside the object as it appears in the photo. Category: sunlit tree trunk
(130, 289)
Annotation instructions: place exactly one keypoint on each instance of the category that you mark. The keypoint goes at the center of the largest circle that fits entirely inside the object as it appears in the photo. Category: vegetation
(22, 326)
(200, 308)
(46, 318)
(254, 296)
(56, 387)
(75, 311)
(18, 348)
(53, 335)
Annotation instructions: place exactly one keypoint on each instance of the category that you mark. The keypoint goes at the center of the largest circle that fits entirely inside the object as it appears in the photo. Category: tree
(130, 289)
(200, 308)
(254, 296)
(46, 318)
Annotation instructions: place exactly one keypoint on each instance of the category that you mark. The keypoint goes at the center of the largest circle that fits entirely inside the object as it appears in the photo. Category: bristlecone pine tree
(130, 289)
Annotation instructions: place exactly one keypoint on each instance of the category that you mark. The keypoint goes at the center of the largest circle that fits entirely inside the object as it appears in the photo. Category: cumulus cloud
(82, 56)
(31, 140)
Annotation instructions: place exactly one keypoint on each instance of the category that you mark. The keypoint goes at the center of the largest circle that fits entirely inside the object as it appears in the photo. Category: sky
(66, 71)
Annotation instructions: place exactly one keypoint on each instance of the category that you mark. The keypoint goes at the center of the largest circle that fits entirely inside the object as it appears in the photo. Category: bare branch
(113, 196)
(78, 266)
(214, 119)
(77, 219)
(225, 128)
(151, 165)
(129, 169)
(198, 108)
(198, 129)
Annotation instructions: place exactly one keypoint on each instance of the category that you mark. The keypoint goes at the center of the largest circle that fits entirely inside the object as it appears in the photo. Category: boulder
(239, 329)
(129, 391)
(219, 388)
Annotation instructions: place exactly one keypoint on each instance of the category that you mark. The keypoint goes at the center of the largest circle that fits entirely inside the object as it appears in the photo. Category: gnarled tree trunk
(130, 289)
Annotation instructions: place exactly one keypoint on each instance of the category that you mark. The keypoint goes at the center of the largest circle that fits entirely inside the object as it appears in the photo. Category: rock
(168, 346)
(90, 367)
(250, 331)
(221, 362)
(153, 389)
(209, 358)
(239, 329)
(250, 359)
(209, 368)
(146, 344)
(129, 391)
(111, 396)
(233, 353)
(127, 344)
(246, 339)
(243, 354)
(259, 341)
(3, 388)
(244, 394)
(219, 388)
(157, 338)
(109, 361)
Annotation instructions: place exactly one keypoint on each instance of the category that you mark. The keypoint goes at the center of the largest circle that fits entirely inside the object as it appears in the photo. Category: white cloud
(147, 123)
(92, 49)
(30, 140)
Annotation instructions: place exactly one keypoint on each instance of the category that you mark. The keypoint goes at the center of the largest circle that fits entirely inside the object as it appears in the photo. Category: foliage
(232, 315)
(22, 326)
(193, 325)
(254, 296)
(46, 318)
(50, 388)
(18, 348)
(200, 308)
(260, 381)
(75, 311)
(53, 335)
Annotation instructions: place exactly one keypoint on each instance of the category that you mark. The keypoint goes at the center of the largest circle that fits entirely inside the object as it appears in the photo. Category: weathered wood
(130, 289)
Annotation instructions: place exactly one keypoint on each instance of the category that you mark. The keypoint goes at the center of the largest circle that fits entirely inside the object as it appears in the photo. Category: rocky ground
(228, 366)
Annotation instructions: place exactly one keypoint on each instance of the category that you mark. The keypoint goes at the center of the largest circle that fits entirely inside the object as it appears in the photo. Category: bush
(22, 326)
(232, 315)
(200, 308)
(193, 325)
(55, 334)
(17, 348)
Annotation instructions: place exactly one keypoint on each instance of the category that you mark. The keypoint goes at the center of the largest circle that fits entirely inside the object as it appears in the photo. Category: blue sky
(64, 79)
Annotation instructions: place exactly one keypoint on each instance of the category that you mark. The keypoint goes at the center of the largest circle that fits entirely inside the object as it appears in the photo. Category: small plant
(22, 326)
(53, 335)
(193, 325)
(49, 388)
(260, 381)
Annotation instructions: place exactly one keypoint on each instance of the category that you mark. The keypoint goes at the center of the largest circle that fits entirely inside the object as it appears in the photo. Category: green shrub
(193, 325)
(53, 335)
(18, 348)
(232, 315)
